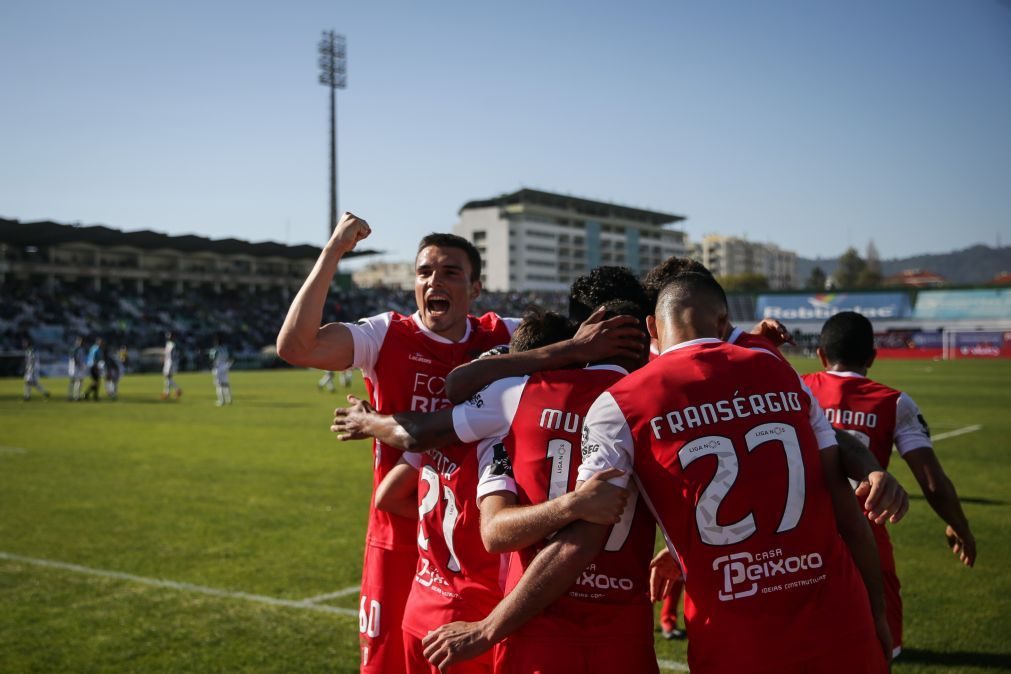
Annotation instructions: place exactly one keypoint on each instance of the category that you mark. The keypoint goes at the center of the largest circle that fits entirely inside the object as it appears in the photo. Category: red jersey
(531, 428)
(877, 415)
(456, 578)
(725, 449)
(740, 338)
(405, 366)
(757, 342)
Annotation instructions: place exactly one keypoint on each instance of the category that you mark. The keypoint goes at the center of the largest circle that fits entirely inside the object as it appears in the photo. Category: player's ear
(822, 357)
(651, 327)
(870, 361)
(475, 289)
(723, 326)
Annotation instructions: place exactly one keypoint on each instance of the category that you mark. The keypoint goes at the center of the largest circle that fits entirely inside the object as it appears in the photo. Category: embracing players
(745, 479)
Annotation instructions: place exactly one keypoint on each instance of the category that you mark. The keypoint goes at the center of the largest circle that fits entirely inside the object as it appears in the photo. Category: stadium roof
(48, 233)
(577, 204)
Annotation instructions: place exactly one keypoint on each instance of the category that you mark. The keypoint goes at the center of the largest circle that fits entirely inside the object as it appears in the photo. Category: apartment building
(535, 240)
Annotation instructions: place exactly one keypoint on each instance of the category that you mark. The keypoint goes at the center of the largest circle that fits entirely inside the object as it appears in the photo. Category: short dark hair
(657, 277)
(636, 310)
(600, 286)
(444, 240)
(540, 328)
(691, 289)
(847, 339)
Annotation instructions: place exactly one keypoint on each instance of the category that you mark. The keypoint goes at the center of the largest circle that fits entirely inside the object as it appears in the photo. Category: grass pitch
(142, 535)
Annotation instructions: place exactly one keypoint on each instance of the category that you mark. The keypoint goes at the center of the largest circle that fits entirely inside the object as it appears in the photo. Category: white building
(533, 240)
(731, 256)
(385, 275)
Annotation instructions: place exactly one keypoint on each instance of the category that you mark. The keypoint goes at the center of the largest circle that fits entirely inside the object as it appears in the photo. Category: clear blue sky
(815, 124)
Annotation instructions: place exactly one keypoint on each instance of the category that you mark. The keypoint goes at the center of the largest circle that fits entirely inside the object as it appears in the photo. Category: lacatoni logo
(745, 574)
(825, 306)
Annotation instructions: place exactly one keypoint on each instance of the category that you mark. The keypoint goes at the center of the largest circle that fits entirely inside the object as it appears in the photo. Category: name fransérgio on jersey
(737, 407)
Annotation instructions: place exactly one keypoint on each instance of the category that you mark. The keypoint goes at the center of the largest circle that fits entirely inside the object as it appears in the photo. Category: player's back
(860, 406)
(611, 597)
(724, 449)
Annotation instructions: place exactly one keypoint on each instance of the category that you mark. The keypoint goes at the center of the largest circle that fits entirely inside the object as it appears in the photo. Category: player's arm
(856, 533)
(912, 439)
(301, 341)
(408, 431)
(397, 494)
(774, 331)
(595, 340)
(506, 526)
(884, 498)
(942, 497)
(550, 574)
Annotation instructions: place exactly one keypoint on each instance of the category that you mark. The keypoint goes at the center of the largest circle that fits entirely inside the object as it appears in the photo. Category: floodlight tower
(333, 73)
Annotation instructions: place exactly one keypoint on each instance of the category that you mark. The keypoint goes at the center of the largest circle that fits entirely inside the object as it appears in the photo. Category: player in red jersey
(404, 360)
(881, 417)
(528, 427)
(455, 590)
(885, 497)
(721, 430)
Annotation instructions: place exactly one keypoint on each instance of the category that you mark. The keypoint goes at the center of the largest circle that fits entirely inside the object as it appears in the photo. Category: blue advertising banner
(820, 306)
(963, 304)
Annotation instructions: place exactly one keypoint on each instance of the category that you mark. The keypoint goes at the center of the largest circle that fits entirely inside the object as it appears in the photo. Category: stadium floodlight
(333, 73)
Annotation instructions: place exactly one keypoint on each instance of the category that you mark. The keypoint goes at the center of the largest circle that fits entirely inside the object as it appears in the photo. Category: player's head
(79, 340)
(639, 311)
(847, 342)
(600, 286)
(168, 335)
(657, 277)
(447, 279)
(540, 328)
(689, 306)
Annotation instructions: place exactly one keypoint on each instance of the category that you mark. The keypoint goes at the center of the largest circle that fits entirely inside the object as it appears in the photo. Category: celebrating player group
(522, 469)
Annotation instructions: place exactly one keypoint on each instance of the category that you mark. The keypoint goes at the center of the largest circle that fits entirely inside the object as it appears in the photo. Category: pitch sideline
(305, 604)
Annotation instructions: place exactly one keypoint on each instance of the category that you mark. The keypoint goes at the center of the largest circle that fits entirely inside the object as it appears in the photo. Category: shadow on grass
(999, 661)
(975, 500)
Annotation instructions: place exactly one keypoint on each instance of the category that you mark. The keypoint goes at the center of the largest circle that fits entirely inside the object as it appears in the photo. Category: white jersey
(220, 364)
(31, 365)
(75, 364)
(171, 364)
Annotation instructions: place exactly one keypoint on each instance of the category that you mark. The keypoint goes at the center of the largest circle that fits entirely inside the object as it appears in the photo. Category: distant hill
(975, 265)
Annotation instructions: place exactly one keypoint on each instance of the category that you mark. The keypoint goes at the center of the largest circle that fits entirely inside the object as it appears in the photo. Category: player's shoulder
(489, 321)
(756, 342)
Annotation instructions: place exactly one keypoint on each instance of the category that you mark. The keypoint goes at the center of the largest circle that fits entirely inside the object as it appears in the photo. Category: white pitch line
(333, 595)
(957, 432)
(13, 450)
(670, 664)
(185, 587)
(305, 604)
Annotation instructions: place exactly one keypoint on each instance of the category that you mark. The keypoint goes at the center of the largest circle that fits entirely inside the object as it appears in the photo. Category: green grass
(258, 498)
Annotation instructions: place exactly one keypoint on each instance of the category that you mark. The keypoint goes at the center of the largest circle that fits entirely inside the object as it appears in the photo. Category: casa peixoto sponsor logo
(592, 579)
(745, 575)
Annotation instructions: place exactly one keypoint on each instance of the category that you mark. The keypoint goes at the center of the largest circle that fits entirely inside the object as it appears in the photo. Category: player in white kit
(32, 370)
(220, 365)
(170, 366)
